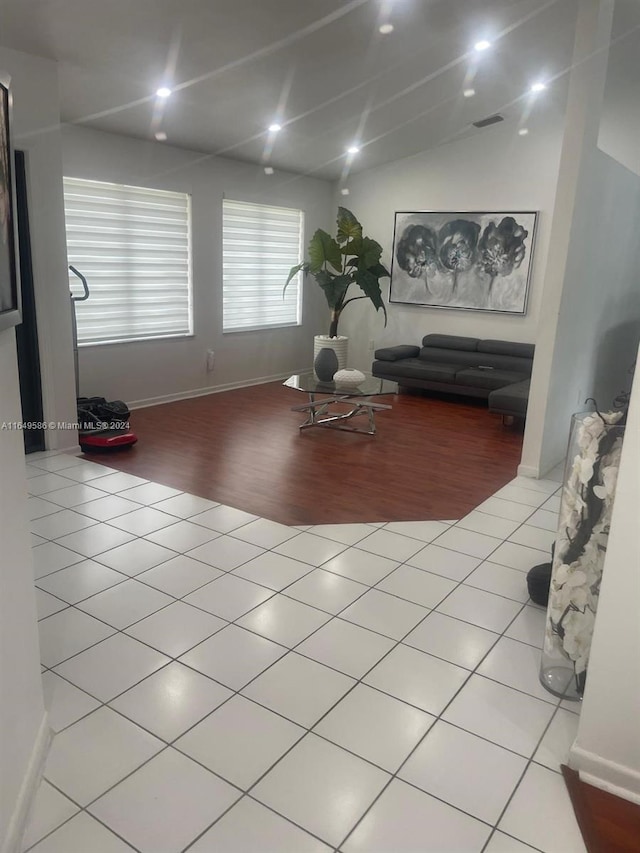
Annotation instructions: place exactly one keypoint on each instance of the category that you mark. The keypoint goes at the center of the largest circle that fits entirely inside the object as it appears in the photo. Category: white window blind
(260, 245)
(132, 244)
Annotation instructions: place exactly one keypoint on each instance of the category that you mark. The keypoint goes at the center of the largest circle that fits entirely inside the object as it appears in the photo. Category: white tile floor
(220, 683)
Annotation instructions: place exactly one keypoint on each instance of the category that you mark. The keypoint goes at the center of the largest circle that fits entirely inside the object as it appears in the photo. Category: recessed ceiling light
(385, 29)
(353, 149)
(523, 131)
(479, 46)
(469, 93)
(268, 170)
(163, 92)
(275, 127)
(538, 87)
(161, 136)
(344, 191)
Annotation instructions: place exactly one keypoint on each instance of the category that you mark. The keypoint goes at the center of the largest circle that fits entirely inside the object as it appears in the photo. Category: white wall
(36, 115)
(591, 308)
(146, 370)
(21, 704)
(619, 132)
(494, 169)
(620, 127)
(607, 748)
(23, 728)
(599, 322)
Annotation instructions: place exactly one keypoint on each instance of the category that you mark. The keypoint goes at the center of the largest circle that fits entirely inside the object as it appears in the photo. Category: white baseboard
(617, 779)
(60, 440)
(28, 789)
(214, 389)
(536, 473)
(528, 471)
(550, 469)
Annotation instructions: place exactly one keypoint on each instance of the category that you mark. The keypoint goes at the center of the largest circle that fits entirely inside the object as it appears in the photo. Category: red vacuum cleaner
(102, 425)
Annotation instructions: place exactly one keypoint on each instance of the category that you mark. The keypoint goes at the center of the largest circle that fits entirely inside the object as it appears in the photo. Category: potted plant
(336, 264)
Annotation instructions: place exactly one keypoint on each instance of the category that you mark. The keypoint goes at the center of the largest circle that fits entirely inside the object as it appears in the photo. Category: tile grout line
(173, 658)
(332, 616)
(276, 592)
(423, 738)
(358, 682)
(233, 530)
(165, 606)
(81, 810)
(530, 761)
(176, 659)
(238, 692)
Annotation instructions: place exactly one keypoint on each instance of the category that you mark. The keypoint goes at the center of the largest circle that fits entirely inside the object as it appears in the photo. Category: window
(132, 244)
(260, 245)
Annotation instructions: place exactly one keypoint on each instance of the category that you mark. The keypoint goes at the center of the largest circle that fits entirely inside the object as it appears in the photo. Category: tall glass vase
(590, 476)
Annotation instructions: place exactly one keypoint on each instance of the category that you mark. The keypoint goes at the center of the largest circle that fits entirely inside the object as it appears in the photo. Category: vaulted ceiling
(321, 68)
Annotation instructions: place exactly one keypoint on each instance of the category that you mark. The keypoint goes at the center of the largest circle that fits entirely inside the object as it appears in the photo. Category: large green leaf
(371, 252)
(366, 250)
(293, 272)
(348, 226)
(334, 287)
(323, 250)
(379, 270)
(370, 285)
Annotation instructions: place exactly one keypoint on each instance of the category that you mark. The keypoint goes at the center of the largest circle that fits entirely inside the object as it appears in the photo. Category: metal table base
(318, 412)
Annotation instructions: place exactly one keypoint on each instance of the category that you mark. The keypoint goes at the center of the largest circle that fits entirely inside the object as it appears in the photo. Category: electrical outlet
(372, 346)
(211, 357)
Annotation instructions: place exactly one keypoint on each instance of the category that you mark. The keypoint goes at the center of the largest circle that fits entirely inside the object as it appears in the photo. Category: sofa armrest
(511, 399)
(397, 353)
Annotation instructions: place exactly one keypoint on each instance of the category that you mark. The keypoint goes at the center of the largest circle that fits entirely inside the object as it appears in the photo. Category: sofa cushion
(511, 363)
(512, 399)
(507, 348)
(395, 353)
(414, 368)
(451, 342)
(435, 355)
(475, 377)
(463, 358)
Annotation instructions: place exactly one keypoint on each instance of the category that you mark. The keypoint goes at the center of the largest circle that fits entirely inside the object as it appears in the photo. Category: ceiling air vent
(485, 122)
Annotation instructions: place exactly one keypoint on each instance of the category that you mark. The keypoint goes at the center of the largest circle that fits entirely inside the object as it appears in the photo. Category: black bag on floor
(97, 414)
(539, 581)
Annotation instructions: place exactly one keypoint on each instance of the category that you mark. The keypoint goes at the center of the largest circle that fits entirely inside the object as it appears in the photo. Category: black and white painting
(477, 261)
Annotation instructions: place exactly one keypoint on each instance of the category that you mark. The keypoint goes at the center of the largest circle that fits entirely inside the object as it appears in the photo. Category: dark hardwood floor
(608, 823)
(432, 458)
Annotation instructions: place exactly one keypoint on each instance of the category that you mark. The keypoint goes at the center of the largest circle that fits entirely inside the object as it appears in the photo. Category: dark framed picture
(10, 306)
(478, 261)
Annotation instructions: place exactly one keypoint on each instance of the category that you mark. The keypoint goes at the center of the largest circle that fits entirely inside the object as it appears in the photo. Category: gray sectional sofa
(499, 371)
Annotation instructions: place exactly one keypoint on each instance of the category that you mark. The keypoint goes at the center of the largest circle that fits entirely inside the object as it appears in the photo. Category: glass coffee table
(325, 395)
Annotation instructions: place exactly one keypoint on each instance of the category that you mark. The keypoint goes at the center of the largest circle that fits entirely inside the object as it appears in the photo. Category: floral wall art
(477, 261)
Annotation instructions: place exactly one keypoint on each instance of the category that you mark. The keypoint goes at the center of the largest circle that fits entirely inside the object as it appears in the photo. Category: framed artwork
(9, 273)
(475, 261)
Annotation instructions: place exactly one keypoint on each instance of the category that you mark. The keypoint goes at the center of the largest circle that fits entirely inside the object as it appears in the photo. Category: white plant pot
(339, 345)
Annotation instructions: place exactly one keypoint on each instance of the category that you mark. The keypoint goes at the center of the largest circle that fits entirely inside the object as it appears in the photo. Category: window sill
(260, 329)
(121, 341)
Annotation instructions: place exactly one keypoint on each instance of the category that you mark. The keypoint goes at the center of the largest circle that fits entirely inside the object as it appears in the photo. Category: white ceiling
(234, 64)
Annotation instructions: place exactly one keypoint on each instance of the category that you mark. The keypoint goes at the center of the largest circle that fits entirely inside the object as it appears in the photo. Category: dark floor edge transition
(608, 823)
